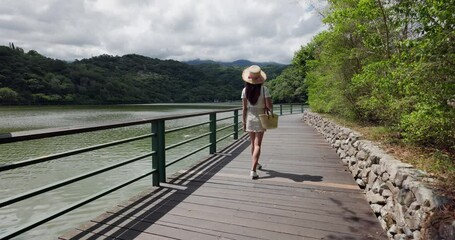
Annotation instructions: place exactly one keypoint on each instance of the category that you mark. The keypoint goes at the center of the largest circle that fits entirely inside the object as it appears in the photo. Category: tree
(288, 87)
(8, 96)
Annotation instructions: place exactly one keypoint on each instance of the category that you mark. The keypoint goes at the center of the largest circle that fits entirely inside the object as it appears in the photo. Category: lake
(24, 179)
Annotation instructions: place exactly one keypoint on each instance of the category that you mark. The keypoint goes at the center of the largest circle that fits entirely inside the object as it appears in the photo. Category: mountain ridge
(238, 63)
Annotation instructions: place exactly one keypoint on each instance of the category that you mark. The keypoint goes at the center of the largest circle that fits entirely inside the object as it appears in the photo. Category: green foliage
(429, 125)
(442, 162)
(327, 74)
(386, 62)
(41, 98)
(288, 87)
(8, 95)
(375, 93)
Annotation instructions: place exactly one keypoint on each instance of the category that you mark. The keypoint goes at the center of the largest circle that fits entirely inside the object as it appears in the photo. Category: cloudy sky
(221, 30)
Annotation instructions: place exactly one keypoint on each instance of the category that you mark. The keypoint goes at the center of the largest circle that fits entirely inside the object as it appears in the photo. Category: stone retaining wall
(395, 190)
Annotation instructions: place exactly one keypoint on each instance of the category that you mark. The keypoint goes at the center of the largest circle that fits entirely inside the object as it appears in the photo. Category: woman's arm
(244, 109)
(268, 99)
(268, 103)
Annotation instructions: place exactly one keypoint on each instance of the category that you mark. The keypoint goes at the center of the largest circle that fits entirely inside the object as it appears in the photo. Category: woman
(253, 96)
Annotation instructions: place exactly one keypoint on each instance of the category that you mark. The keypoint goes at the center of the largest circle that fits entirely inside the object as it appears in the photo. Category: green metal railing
(158, 153)
(290, 108)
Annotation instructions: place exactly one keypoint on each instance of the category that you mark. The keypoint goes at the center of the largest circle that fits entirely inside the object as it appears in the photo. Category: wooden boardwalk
(304, 192)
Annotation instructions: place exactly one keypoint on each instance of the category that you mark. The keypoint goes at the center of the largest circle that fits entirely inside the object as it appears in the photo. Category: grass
(437, 163)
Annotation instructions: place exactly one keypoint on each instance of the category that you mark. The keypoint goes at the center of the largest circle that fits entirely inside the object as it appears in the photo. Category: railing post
(155, 178)
(212, 133)
(236, 124)
(301, 108)
(291, 108)
(281, 109)
(159, 158)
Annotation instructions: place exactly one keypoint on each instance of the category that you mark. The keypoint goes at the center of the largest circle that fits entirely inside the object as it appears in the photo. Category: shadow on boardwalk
(134, 217)
(293, 177)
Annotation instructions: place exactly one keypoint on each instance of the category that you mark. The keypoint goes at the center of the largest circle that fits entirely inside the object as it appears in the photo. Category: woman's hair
(252, 91)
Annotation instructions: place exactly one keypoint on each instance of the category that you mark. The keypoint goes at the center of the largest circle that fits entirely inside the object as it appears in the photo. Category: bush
(8, 96)
(374, 91)
(429, 125)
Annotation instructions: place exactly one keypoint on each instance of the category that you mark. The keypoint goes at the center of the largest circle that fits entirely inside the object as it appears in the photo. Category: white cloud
(225, 30)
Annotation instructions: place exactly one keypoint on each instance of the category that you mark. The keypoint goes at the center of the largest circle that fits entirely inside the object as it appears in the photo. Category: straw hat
(254, 75)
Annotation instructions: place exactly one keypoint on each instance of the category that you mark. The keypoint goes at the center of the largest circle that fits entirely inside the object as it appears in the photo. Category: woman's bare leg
(256, 143)
(252, 139)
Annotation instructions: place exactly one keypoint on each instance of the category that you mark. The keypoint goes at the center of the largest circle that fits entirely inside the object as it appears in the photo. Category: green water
(27, 178)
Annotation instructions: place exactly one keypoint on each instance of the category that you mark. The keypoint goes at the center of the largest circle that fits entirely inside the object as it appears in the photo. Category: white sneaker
(254, 175)
(259, 166)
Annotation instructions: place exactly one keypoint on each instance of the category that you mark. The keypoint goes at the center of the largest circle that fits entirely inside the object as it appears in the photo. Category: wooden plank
(265, 187)
(182, 227)
(225, 221)
(241, 203)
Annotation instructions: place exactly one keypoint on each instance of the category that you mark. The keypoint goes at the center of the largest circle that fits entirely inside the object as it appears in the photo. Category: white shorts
(253, 124)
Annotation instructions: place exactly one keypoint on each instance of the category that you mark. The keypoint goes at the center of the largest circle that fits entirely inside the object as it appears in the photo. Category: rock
(425, 197)
(375, 198)
(355, 171)
(401, 175)
(405, 197)
(365, 173)
(345, 161)
(374, 158)
(344, 146)
(399, 216)
(376, 208)
(376, 169)
(386, 193)
(387, 210)
(351, 151)
(393, 230)
(414, 206)
(407, 231)
(361, 183)
(356, 144)
(389, 220)
(376, 187)
(342, 154)
(392, 188)
(390, 165)
(400, 237)
(385, 177)
(362, 155)
(362, 164)
(414, 219)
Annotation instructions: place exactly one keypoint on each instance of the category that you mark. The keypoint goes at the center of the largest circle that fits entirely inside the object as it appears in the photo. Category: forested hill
(30, 78)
